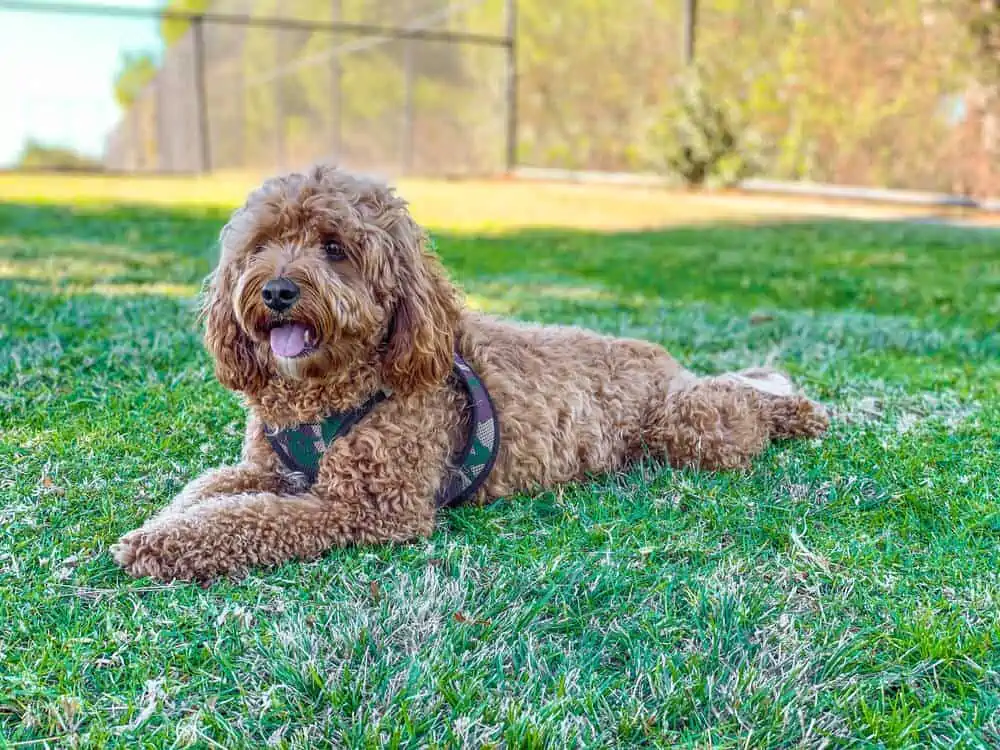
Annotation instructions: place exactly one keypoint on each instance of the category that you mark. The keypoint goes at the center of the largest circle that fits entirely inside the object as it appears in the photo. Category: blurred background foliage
(900, 94)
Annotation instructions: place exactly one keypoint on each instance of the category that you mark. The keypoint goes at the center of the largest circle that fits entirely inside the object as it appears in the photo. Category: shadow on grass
(883, 268)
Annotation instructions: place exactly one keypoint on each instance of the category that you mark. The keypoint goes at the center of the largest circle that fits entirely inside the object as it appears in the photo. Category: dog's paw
(798, 417)
(123, 551)
(174, 550)
(819, 422)
(158, 552)
(139, 554)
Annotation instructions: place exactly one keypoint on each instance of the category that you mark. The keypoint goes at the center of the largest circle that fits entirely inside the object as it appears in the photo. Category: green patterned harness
(302, 447)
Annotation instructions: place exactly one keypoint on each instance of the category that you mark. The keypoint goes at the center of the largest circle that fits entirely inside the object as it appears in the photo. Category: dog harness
(302, 447)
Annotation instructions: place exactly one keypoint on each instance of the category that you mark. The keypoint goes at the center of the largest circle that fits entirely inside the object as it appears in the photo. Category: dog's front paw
(141, 554)
(123, 551)
(166, 552)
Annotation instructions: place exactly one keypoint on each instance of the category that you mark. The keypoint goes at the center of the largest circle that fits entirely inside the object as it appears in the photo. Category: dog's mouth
(293, 339)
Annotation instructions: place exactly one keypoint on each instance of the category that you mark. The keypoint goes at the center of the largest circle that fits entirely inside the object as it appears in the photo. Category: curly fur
(571, 403)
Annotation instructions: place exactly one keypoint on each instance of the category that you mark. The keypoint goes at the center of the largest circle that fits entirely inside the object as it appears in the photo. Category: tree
(980, 106)
(172, 29)
(136, 71)
(984, 23)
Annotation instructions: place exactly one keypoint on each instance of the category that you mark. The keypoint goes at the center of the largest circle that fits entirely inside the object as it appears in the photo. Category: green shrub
(703, 138)
(36, 155)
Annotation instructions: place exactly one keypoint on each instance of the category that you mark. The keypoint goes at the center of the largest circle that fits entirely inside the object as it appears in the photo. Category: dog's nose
(280, 294)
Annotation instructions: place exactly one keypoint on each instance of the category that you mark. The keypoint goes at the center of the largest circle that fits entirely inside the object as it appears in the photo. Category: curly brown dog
(325, 295)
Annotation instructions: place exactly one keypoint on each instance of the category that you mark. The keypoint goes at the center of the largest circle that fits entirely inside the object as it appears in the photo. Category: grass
(844, 592)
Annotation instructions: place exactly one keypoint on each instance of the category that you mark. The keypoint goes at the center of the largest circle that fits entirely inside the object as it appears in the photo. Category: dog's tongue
(288, 340)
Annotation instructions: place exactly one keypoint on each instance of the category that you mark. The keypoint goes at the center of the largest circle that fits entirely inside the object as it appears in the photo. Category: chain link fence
(851, 92)
(416, 94)
(397, 86)
(405, 89)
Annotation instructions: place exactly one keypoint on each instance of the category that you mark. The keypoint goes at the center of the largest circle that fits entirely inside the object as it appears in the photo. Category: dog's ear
(236, 365)
(421, 340)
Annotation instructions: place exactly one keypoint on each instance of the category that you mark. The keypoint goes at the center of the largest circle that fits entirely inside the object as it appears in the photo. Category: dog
(375, 397)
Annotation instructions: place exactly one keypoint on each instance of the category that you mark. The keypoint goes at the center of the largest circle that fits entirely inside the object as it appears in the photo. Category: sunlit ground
(482, 205)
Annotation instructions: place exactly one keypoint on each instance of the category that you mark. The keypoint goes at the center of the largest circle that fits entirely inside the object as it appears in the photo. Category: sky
(56, 74)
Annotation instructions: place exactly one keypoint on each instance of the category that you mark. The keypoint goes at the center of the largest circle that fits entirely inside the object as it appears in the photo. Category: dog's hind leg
(789, 413)
(722, 422)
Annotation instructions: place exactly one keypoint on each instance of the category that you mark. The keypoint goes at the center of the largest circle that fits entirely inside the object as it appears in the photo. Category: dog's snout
(280, 294)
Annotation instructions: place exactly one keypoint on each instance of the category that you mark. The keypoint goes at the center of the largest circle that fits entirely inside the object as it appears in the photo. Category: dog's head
(323, 270)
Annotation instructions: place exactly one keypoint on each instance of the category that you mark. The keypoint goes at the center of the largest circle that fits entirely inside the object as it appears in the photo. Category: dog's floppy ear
(236, 365)
(421, 338)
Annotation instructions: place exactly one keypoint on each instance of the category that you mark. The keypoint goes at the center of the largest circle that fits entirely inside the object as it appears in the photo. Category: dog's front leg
(225, 537)
(376, 485)
(368, 492)
(222, 482)
(258, 471)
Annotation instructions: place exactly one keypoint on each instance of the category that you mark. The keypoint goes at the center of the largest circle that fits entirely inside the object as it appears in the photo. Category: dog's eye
(333, 250)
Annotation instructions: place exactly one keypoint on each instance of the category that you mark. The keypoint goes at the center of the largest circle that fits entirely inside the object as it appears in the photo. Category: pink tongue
(288, 340)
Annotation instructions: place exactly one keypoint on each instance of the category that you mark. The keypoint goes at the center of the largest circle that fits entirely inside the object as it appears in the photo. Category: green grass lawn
(843, 592)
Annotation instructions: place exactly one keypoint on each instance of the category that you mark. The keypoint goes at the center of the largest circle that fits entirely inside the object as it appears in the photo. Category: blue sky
(56, 73)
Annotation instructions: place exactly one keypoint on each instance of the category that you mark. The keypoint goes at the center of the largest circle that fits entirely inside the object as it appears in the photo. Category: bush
(36, 155)
(704, 139)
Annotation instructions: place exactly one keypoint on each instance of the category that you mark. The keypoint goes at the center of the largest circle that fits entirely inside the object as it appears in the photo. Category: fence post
(201, 95)
(161, 128)
(136, 115)
(690, 28)
(280, 150)
(511, 124)
(406, 150)
(336, 74)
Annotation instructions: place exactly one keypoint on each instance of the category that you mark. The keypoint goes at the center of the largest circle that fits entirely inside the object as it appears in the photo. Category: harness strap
(301, 447)
(482, 443)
